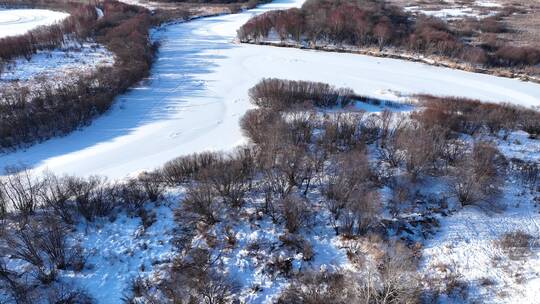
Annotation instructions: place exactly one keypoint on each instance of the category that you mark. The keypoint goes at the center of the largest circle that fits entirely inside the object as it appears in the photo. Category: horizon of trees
(375, 23)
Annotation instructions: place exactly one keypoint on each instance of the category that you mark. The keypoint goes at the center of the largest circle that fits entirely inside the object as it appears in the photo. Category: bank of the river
(197, 92)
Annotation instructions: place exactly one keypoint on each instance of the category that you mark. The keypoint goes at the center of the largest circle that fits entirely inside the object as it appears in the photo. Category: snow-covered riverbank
(15, 22)
(197, 93)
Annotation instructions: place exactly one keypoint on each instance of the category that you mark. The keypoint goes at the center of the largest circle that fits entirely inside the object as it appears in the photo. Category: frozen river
(197, 93)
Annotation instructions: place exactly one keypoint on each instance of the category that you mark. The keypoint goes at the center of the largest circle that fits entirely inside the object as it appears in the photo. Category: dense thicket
(280, 94)
(368, 23)
(472, 116)
(35, 113)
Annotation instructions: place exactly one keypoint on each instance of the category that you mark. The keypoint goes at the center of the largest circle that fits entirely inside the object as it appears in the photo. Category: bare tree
(479, 175)
(20, 190)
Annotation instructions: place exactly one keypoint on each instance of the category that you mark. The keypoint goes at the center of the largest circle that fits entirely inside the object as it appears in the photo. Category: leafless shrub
(400, 195)
(65, 293)
(20, 190)
(299, 244)
(56, 196)
(421, 148)
(456, 286)
(229, 177)
(279, 265)
(517, 56)
(351, 197)
(342, 132)
(94, 197)
(286, 167)
(528, 171)
(192, 278)
(202, 201)
(318, 288)
(295, 212)
(259, 124)
(363, 208)
(183, 169)
(491, 25)
(140, 292)
(132, 195)
(517, 244)
(397, 281)
(42, 246)
(479, 175)
(13, 290)
(390, 126)
(152, 185)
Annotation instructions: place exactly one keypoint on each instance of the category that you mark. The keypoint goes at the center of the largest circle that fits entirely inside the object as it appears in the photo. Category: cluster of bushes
(36, 217)
(298, 162)
(39, 111)
(294, 153)
(283, 94)
(473, 116)
(367, 23)
(393, 280)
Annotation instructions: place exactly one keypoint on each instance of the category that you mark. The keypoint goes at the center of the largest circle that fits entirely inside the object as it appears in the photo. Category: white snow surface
(72, 57)
(15, 22)
(121, 250)
(467, 243)
(198, 91)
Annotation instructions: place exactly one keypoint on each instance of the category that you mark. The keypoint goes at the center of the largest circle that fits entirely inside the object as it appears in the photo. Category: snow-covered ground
(198, 88)
(144, 3)
(454, 11)
(15, 22)
(56, 64)
(467, 244)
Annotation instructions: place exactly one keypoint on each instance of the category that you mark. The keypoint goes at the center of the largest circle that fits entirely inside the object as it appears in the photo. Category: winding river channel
(197, 93)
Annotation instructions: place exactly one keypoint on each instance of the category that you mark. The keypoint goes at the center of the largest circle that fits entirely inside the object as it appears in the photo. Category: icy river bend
(197, 93)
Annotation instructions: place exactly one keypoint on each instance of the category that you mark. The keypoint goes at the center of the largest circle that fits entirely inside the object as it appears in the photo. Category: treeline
(374, 23)
(39, 111)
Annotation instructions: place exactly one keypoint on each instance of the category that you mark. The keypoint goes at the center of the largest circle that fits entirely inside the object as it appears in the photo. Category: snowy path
(19, 21)
(197, 93)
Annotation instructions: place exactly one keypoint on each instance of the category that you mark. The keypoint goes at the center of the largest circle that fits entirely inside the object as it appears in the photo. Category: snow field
(54, 65)
(15, 22)
(467, 243)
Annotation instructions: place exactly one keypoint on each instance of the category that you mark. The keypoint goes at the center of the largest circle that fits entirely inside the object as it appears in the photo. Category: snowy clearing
(477, 9)
(55, 64)
(15, 22)
(466, 245)
(198, 88)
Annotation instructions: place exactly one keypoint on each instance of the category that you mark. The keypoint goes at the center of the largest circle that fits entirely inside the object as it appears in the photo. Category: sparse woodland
(313, 162)
(376, 24)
